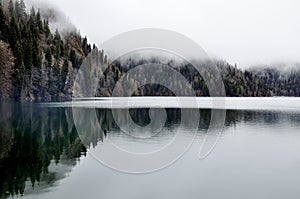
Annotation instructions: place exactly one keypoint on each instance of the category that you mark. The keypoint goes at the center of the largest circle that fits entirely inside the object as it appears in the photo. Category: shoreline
(228, 103)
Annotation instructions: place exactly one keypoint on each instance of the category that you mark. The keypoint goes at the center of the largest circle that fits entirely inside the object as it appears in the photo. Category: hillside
(40, 65)
(280, 82)
(36, 64)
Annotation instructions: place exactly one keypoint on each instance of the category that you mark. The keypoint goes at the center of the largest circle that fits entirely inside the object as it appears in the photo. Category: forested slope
(37, 64)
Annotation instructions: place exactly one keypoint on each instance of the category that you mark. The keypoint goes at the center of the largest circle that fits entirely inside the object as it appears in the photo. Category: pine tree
(23, 8)
(85, 46)
(73, 58)
(32, 13)
(46, 28)
(64, 73)
(39, 21)
(54, 82)
(18, 71)
(27, 49)
(36, 58)
(6, 66)
(48, 56)
(18, 9)
(14, 32)
(3, 25)
(11, 8)
(33, 24)
(57, 35)
(58, 44)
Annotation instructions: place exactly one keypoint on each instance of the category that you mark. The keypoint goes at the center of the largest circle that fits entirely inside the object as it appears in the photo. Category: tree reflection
(31, 137)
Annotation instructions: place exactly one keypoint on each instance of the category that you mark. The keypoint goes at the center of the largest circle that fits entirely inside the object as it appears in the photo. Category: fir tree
(58, 43)
(36, 59)
(86, 47)
(46, 28)
(32, 13)
(39, 21)
(64, 73)
(18, 10)
(27, 49)
(3, 25)
(48, 56)
(14, 32)
(54, 82)
(33, 24)
(11, 8)
(18, 71)
(73, 58)
(23, 8)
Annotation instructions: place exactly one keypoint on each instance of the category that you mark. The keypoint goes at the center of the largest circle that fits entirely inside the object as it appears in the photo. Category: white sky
(245, 32)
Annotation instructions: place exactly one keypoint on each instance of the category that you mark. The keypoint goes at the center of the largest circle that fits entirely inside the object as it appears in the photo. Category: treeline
(36, 64)
(39, 65)
(236, 82)
(280, 83)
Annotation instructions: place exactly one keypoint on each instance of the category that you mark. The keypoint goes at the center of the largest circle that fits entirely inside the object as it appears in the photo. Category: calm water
(42, 156)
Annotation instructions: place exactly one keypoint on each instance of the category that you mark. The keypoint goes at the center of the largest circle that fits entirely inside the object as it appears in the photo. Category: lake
(43, 154)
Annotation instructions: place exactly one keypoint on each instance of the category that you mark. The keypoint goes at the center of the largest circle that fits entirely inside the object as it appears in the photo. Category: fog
(57, 18)
(245, 32)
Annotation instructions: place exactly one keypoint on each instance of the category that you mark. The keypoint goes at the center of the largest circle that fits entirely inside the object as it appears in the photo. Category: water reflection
(30, 138)
(34, 138)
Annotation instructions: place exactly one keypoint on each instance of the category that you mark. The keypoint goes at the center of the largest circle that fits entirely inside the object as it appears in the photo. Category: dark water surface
(42, 156)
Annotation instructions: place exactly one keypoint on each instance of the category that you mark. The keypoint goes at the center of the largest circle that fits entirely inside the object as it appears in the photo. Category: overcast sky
(246, 32)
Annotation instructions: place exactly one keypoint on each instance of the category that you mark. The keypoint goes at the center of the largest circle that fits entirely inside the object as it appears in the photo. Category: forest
(36, 64)
(40, 64)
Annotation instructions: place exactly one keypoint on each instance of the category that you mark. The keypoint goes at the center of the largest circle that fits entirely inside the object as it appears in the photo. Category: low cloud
(57, 18)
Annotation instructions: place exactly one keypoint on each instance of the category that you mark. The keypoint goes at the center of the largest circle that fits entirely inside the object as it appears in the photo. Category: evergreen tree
(46, 28)
(39, 21)
(58, 43)
(73, 58)
(57, 35)
(64, 73)
(3, 25)
(18, 9)
(18, 71)
(48, 56)
(23, 8)
(6, 66)
(11, 8)
(36, 58)
(27, 49)
(14, 32)
(33, 24)
(54, 82)
(32, 13)
(85, 46)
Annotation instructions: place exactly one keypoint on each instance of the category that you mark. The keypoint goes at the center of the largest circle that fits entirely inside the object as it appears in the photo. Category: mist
(57, 18)
(243, 32)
